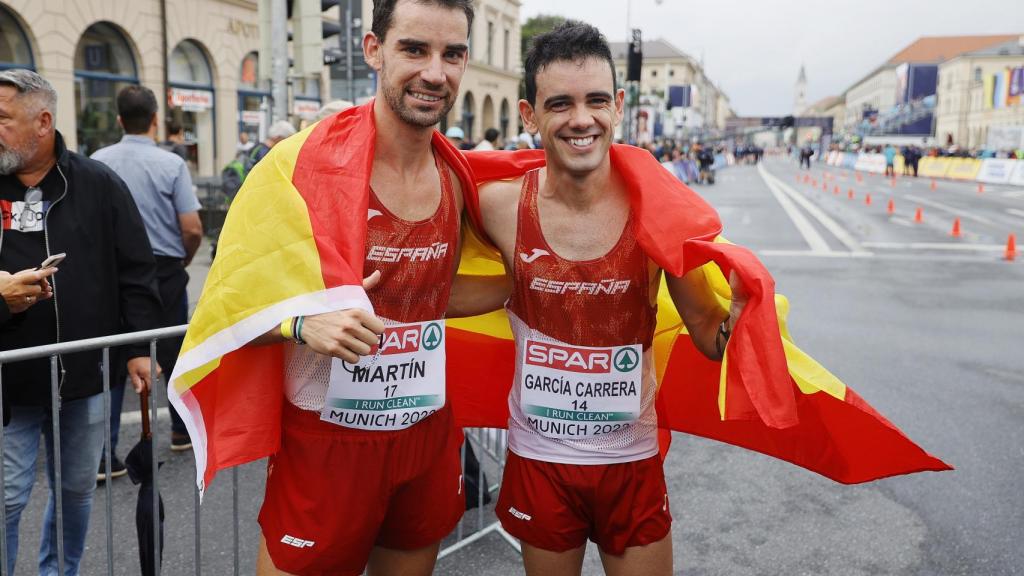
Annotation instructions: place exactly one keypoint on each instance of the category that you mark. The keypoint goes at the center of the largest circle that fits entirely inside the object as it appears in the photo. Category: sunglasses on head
(33, 196)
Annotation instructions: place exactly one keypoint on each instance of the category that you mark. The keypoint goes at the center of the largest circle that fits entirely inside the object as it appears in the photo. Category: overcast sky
(753, 48)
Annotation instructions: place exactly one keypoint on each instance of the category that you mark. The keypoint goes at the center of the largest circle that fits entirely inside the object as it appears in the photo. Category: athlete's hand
(346, 334)
(739, 299)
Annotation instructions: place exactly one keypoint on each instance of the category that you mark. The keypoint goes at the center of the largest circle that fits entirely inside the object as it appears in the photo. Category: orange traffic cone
(806, 178)
(824, 186)
(891, 208)
(849, 193)
(981, 188)
(1011, 247)
(835, 190)
(956, 229)
(919, 215)
(867, 200)
(933, 186)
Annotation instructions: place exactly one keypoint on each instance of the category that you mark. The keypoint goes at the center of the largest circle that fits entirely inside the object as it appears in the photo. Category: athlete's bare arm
(499, 211)
(345, 334)
(699, 308)
(472, 295)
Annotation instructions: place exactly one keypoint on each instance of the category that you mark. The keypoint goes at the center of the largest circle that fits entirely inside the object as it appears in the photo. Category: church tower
(800, 96)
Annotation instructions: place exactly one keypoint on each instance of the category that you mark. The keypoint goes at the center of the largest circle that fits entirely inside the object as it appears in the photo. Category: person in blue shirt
(160, 184)
(890, 160)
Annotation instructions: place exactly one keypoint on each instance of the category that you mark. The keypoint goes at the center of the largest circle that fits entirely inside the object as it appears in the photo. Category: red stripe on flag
(242, 418)
(847, 441)
(480, 373)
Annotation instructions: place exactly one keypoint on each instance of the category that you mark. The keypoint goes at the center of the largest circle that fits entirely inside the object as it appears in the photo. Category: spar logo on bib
(569, 358)
(626, 360)
(406, 339)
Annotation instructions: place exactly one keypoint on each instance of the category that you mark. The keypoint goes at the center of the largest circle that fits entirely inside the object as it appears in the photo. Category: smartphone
(52, 261)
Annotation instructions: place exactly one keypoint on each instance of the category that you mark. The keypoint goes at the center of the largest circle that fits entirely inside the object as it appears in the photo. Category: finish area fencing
(228, 538)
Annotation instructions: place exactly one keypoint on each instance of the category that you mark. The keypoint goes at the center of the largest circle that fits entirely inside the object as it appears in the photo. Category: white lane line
(1015, 212)
(1014, 194)
(832, 254)
(950, 210)
(825, 220)
(948, 246)
(814, 240)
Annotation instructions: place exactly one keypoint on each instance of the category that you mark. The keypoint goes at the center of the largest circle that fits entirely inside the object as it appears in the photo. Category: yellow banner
(964, 169)
(934, 167)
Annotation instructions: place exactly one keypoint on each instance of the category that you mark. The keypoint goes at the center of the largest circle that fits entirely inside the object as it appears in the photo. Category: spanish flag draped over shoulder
(292, 244)
(767, 395)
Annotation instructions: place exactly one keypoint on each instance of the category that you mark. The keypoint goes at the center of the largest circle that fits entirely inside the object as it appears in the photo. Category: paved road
(925, 327)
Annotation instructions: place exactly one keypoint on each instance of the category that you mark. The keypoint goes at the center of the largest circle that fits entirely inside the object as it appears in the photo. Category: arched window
(191, 103)
(504, 118)
(467, 116)
(103, 65)
(253, 104)
(15, 51)
(487, 120)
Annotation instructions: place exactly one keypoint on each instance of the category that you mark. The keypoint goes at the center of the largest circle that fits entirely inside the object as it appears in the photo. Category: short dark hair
(384, 12)
(173, 127)
(572, 41)
(491, 134)
(136, 105)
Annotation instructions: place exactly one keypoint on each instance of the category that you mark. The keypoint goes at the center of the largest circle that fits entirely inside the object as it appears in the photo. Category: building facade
(883, 96)
(971, 108)
(489, 95)
(669, 74)
(216, 85)
(90, 50)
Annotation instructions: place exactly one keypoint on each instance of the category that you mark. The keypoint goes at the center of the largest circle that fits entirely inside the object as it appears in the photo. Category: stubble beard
(395, 97)
(12, 160)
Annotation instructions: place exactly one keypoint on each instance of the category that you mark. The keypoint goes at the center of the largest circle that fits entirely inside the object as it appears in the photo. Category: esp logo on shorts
(406, 339)
(297, 542)
(569, 358)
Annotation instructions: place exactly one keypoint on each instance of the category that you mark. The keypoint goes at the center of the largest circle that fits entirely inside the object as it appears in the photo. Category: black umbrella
(140, 469)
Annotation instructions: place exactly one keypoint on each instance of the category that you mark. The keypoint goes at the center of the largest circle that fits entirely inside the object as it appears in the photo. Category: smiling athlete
(367, 475)
(583, 460)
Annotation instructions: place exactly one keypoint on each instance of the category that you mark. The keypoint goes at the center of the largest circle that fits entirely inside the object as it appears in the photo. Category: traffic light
(634, 58)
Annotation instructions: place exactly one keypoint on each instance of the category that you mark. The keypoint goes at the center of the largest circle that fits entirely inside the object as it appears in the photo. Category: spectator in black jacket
(54, 201)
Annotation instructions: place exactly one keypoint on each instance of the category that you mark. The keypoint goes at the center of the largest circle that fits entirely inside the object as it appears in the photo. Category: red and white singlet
(416, 261)
(585, 378)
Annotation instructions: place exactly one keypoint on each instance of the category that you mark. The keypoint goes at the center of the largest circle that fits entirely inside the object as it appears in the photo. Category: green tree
(534, 26)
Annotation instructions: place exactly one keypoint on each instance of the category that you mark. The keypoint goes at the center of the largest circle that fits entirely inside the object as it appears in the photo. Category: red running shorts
(333, 493)
(558, 507)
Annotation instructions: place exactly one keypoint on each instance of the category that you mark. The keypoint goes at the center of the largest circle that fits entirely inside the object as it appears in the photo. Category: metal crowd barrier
(490, 443)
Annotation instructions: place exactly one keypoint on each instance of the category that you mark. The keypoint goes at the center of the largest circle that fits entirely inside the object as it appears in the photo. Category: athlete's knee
(385, 561)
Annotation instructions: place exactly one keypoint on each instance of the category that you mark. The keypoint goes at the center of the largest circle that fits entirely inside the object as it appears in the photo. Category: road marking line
(833, 254)
(934, 246)
(950, 210)
(1015, 212)
(1014, 194)
(814, 240)
(825, 220)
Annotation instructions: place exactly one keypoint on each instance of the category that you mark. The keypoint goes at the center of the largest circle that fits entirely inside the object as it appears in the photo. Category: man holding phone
(53, 200)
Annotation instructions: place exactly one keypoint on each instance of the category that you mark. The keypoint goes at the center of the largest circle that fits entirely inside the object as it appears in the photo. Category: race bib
(578, 391)
(399, 384)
